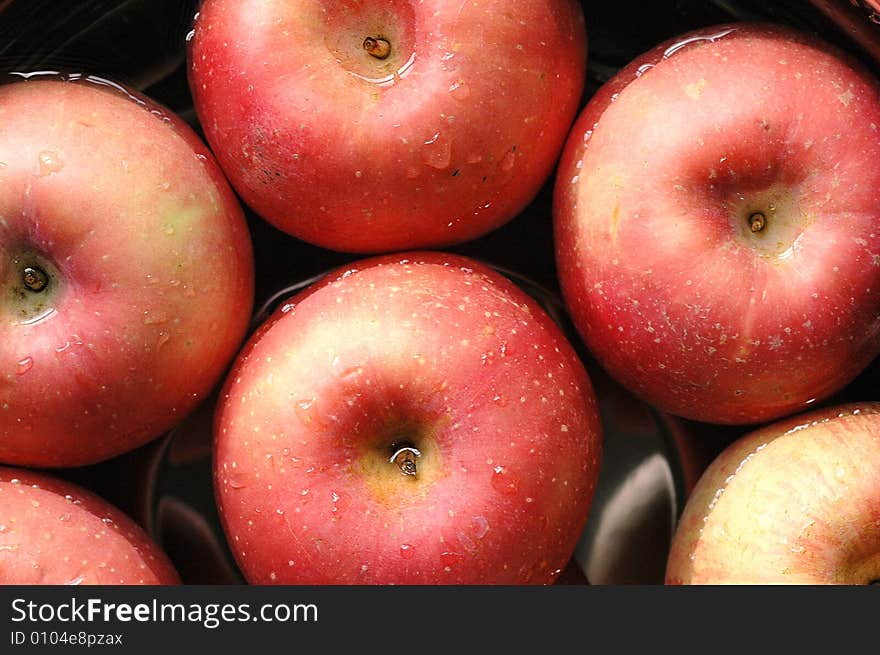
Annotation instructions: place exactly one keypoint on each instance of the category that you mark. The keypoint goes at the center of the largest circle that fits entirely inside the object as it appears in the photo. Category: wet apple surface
(54, 532)
(717, 223)
(795, 502)
(415, 419)
(112, 223)
(377, 126)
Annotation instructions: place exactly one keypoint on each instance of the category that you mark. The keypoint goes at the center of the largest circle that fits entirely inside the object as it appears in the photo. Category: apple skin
(470, 119)
(795, 502)
(150, 272)
(665, 281)
(427, 349)
(57, 533)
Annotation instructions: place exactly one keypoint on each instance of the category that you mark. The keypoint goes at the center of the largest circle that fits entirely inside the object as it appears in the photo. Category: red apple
(717, 223)
(794, 502)
(447, 137)
(54, 532)
(126, 272)
(414, 419)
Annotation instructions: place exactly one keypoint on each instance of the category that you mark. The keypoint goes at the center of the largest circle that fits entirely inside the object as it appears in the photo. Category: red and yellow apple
(54, 532)
(717, 223)
(413, 419)
(126, 272)
(372, 126)
(795, 502)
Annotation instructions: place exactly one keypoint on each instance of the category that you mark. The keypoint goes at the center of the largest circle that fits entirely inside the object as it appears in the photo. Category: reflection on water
(139, 43)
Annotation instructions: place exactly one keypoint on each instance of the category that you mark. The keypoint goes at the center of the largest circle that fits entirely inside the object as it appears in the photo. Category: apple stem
(405, 458)
(757, 221)
(378, 47)
(34, 279)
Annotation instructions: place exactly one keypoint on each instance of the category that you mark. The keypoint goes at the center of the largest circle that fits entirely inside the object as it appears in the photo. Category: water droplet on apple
(448, 62)
(68, 346)
(305, 410)
(479, 527)
(644, 68)
(459, 90)
(504, 482)
(235, 483)
(671, 50)
(526, 574)
(407, 551)
(437, 152)
(450, 558)
(468, 543)
(508, 161)
(351, 374)
(49, 162)
(164, 338)
(337, 504)
(25, 365)
(155, 317)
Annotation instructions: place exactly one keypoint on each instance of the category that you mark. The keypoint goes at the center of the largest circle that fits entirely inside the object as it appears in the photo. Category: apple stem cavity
(405, 458)
(378, 47)
(34, 279)
(757, 221)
